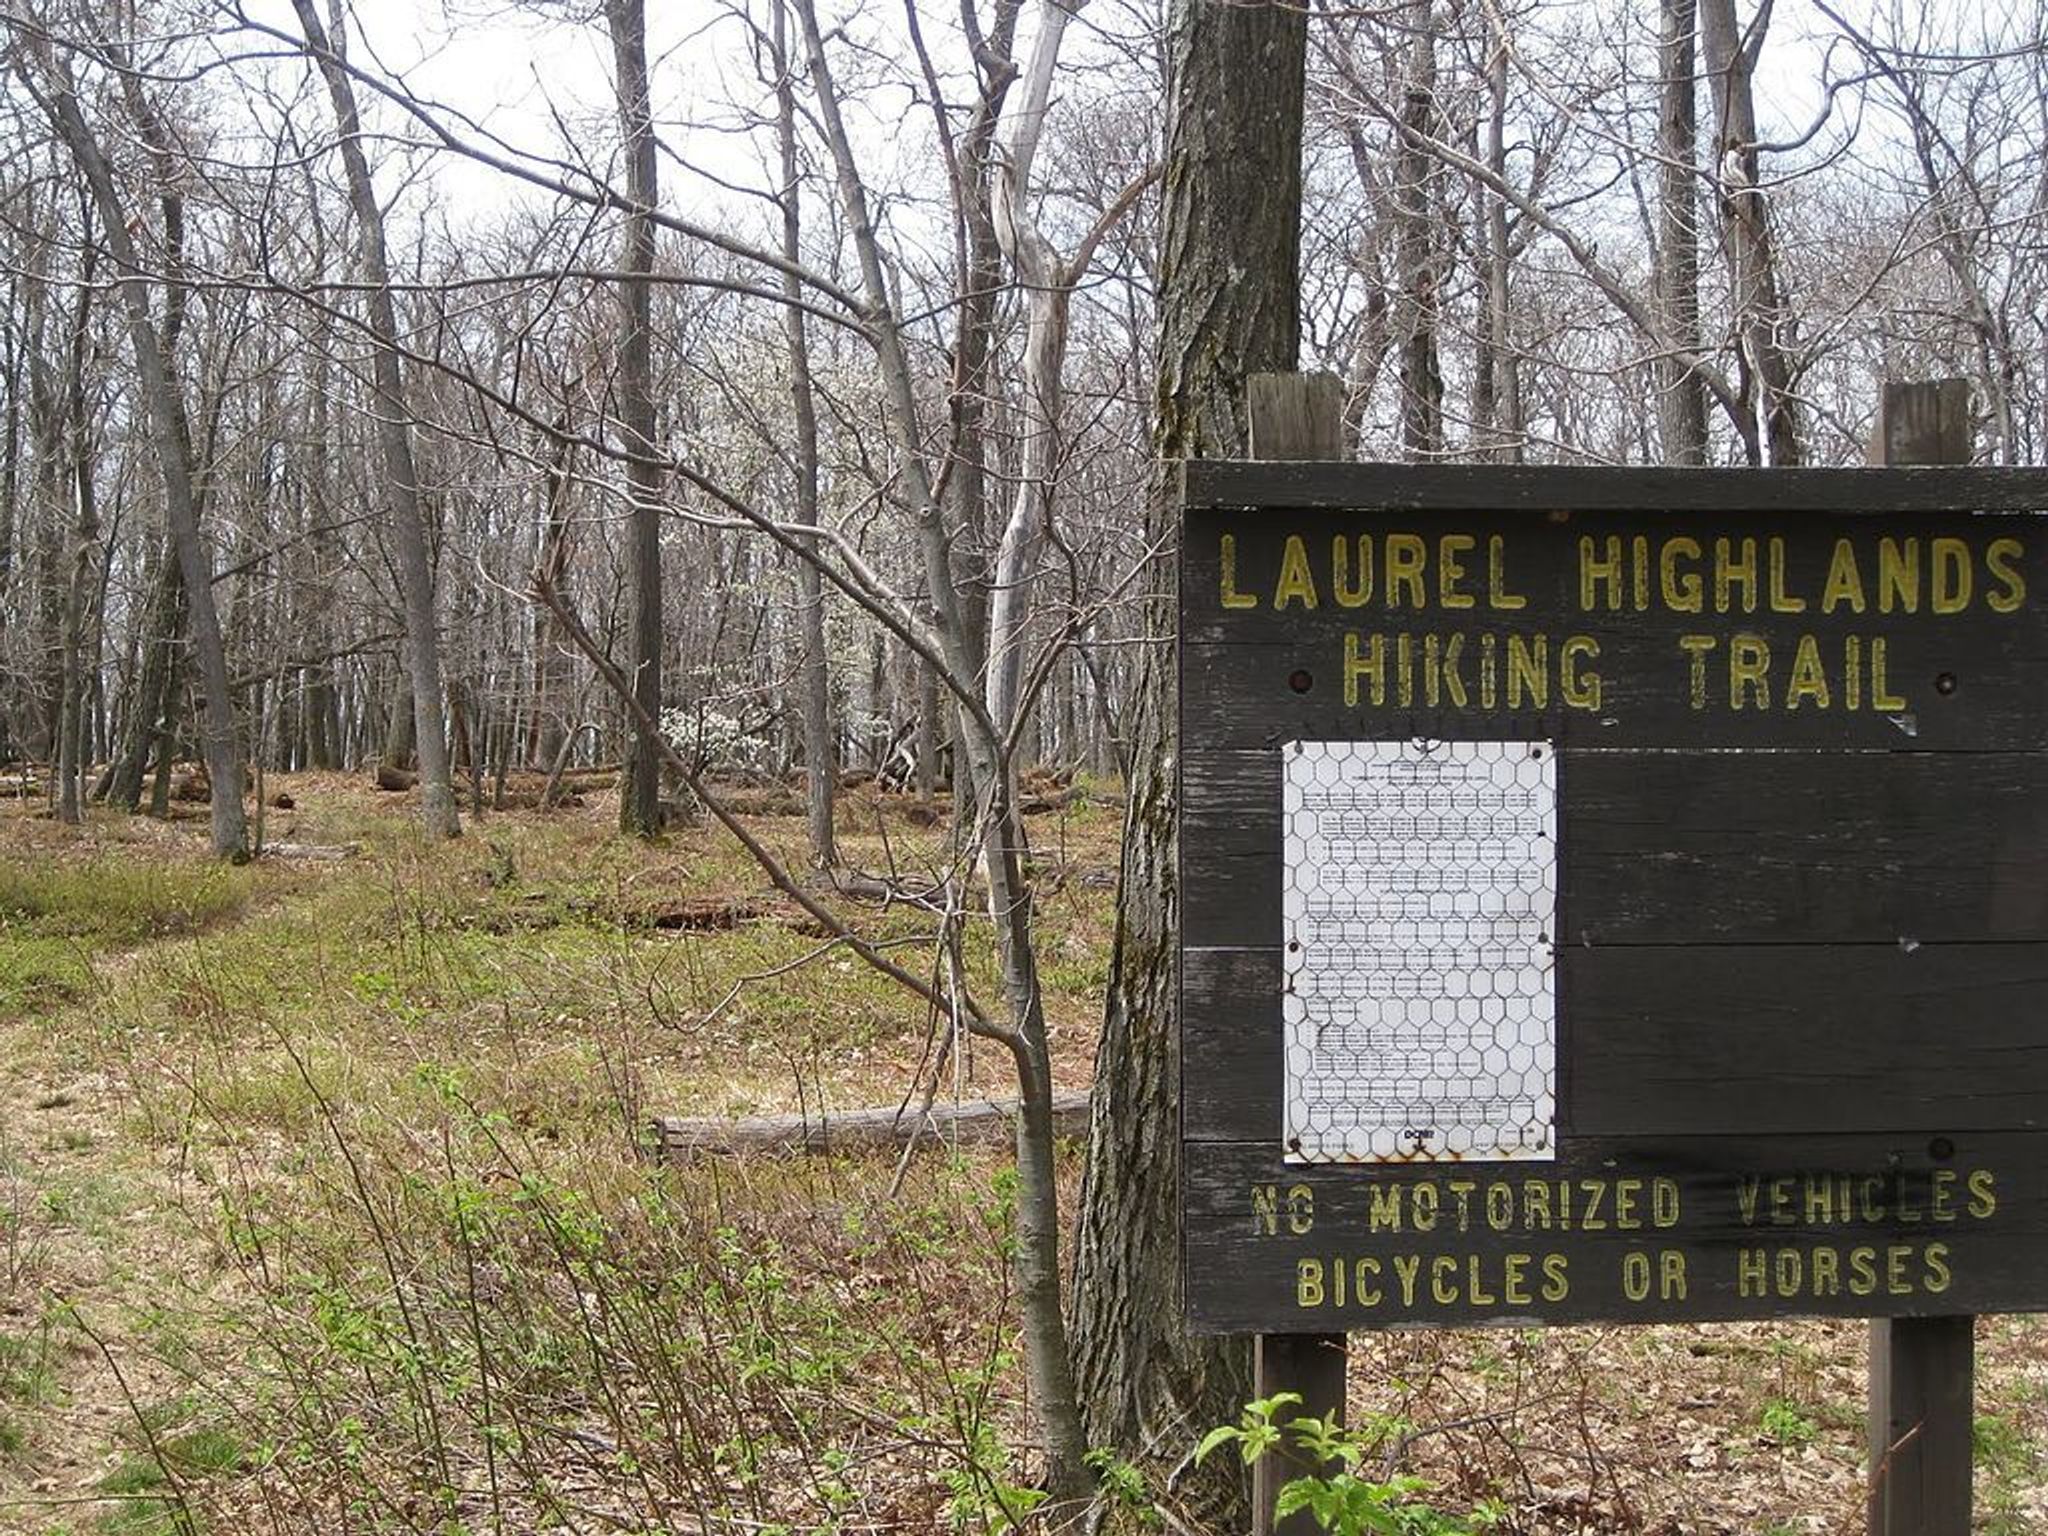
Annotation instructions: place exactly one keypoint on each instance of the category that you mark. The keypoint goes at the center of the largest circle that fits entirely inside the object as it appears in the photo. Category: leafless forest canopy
(803, 354)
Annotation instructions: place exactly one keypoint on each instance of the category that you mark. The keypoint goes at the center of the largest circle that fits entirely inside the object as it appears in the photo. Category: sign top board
(1801, 923)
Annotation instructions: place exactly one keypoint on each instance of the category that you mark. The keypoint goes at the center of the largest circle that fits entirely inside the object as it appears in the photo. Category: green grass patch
(39, 974)
(117, 899)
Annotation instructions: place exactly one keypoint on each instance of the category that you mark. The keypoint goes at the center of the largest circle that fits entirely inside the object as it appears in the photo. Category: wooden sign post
(1612, 896)
(1294, 416)
(1922, 1369)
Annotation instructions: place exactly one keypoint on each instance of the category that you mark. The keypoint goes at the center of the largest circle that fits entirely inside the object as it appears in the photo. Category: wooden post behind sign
(1294, 416)
(1922, 1369)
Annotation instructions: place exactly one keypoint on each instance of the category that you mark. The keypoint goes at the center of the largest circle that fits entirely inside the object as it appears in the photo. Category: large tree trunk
(151, 699)
(1228, 306)
(394, 438)
(1422, 378)
(640, 788)
(1681, 394)
(814, 682)
(85, 533)
(1761, 312)
(171, 437)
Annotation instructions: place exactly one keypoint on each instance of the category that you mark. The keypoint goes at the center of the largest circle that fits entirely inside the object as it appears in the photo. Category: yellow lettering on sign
(1844, 586)
(1664, 1202)
(1599, 572)
(1383, 1208)
(1301, 1209)
(1528, 671)
(1581, 689)
(1749, 667)
(1809, 681)
(1936, 1259)
(1406, 557)
(1350, 594)
(1227, 557)
(1781, 600)
(1672, 1274)
(1362, 1287)
(1514, 1279)
(2011, 591)
(1898, 575)
(1696, 648)
(1407, 1270)
(1371, 664)
(1635, 1275)
(1423, 1201)
(1497, 594)
(1752, 1273)
(1881, 696)
(1684, 591)
(1949, 589)
(1826, 1272)
(1266, 1208)
(1734, 567)
(1941, 1194)
(1295, 583)
(1556, 1277)
(1308, 1282)
(1983, 1193)
(1450, 570)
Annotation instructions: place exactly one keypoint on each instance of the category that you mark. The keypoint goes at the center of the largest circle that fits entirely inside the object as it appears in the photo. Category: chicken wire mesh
(1420, 905)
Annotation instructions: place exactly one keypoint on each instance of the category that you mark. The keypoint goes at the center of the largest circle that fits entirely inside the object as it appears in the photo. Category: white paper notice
(1420, 997)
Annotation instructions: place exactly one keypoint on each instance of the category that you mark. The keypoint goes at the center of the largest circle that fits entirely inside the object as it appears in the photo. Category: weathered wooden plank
(1744, 629)
(1880, 1225)
(1752, 1039)
(1230, 1044)
(1777, 1038)
(1300, 574)
(1662, 847)
(1219, 484)
(1238, 697)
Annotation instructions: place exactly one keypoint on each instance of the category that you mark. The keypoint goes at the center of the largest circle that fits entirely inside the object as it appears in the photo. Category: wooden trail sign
(1735, 1006)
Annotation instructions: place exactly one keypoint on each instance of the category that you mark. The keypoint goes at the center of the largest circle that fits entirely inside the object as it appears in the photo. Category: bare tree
(1766, 322)
(50, 82)
(394, 436)
(1681, 401)
(640, 790)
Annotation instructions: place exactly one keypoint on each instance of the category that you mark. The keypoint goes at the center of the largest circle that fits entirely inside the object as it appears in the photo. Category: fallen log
(979, 1122)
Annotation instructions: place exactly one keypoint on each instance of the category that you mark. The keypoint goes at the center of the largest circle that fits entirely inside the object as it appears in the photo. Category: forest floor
(324, 1205)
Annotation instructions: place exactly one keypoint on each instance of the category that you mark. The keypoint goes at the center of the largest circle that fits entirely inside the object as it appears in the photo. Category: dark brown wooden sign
(1801, 958)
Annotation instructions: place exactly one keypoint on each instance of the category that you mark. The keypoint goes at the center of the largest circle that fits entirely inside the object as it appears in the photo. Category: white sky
(538, 74)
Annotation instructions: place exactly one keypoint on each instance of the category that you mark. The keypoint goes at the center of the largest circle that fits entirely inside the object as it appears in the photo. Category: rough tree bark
(1229, 306)
(171, 438)
(394, 440)
(1761, 312)
(640, 786)
(1681, 396)
(1422, 377)
(84, 541)
(814, 680)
